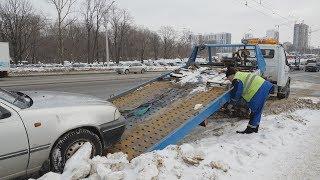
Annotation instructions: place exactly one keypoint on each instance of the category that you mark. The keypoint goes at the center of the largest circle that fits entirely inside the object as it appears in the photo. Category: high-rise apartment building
(301, 37)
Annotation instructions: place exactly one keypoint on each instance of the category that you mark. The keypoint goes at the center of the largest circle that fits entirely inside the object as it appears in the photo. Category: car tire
(59, 153)
(126, 71)
(143, 71)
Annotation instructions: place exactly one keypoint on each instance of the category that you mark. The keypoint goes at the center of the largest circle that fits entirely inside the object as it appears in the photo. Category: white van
(4, 59)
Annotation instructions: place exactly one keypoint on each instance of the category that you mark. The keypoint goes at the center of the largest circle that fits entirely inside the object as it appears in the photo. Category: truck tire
(69, 143)
(126, 71)
(286, 93)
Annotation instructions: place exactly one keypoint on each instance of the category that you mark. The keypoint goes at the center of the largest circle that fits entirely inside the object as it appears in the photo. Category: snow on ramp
(262, 155)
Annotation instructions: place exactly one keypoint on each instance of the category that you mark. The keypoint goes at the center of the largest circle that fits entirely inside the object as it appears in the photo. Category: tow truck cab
(277, 65)
(277, 68)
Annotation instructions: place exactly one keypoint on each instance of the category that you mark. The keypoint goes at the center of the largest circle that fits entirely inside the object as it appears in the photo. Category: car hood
(51, 99)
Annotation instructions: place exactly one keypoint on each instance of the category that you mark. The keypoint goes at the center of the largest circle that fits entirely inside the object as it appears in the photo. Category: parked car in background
(131, 68)
(44, 129)
(312, 67)
(163, 64)
(296, 66)
(4, 59)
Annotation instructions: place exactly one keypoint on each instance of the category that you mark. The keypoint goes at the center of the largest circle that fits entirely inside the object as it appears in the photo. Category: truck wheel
(281, 95)
(126, 71)
(69, 143)
(286, 93)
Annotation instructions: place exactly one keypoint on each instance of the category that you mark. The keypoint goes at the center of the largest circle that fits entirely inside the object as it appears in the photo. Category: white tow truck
(4, 59)
(277, 65)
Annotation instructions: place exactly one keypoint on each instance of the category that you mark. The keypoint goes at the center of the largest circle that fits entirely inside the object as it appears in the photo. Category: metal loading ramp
(171, 107)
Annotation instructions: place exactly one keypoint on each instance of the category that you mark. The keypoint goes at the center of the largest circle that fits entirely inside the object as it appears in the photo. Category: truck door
(14, 148)
(270, 56)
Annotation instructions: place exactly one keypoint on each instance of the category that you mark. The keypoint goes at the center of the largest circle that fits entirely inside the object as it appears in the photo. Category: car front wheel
(126, 71)
(69, 143)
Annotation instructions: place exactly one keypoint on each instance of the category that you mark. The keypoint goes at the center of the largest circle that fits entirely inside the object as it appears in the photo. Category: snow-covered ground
(286, 147)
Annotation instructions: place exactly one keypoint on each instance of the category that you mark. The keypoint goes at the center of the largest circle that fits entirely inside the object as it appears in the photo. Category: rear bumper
(111, 132)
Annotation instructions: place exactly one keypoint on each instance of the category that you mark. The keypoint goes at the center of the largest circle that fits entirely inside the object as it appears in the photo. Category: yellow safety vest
(251, 84)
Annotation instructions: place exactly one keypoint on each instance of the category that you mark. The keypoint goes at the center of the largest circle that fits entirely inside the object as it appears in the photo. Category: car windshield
(18, 99)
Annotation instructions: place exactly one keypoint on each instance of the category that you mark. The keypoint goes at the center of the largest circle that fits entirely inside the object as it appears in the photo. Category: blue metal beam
(193, 122)
(260, 60)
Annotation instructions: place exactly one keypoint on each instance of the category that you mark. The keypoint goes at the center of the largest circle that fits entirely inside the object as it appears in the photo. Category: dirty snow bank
(269, 154)
(315, 100)
(200, 77)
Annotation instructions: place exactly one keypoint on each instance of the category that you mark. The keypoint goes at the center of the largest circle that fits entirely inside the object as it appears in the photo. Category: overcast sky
(213, 16)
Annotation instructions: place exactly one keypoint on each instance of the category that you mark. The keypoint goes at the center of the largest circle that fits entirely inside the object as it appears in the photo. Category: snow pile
(150, 65)
(197, 106)
(269, 154)
(200, 88)
(200, 75)
(77, 167)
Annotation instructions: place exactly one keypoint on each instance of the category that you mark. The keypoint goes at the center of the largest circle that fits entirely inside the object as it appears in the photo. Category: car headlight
(117, 114)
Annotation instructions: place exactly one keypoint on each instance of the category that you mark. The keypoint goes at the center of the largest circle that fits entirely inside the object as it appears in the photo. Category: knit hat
(230, 71)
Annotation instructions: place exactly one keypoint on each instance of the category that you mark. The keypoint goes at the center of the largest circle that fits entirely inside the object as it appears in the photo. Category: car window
(136, 64)
(4, 113)
(268, 53)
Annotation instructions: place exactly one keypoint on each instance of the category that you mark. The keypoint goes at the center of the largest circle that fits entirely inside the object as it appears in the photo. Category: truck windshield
(18, 99)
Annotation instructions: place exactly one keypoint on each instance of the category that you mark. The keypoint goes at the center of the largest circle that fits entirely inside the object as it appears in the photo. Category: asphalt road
(105, 85)
(99, 85)
(305, 83)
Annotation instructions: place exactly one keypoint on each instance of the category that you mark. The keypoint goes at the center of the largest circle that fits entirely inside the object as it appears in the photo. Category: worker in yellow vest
(254, 90)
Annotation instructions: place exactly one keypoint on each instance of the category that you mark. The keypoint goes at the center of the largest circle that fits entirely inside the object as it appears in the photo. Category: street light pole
(106, 27)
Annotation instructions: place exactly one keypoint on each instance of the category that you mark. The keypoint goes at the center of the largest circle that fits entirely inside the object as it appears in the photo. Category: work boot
(249, 130)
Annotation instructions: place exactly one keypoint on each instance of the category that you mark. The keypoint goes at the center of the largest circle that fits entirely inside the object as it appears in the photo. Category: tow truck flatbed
(160, 113)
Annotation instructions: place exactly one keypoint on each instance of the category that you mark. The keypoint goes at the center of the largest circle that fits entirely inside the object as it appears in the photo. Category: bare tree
(101, 9)
(32, 37)
(168, 35)
(63, 8)
(19, 26)
(120, 26)
(142, 40)
(90, 9)
(155, 45)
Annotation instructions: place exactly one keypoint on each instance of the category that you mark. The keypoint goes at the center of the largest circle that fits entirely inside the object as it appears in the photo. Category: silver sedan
(131, 68)
(43, 129)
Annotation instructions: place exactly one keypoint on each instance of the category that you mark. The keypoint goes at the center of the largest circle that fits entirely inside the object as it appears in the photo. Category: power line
(247, 5)
(274, 12)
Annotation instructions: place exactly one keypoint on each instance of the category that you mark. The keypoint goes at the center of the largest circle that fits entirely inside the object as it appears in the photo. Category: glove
(233, 102)
(230, 107)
